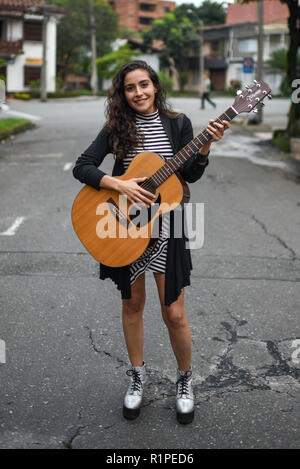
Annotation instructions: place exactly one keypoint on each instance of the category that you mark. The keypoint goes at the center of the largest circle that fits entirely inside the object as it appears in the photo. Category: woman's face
(140, 91)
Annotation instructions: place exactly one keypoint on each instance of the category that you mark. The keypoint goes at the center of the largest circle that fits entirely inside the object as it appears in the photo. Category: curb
(17, 130)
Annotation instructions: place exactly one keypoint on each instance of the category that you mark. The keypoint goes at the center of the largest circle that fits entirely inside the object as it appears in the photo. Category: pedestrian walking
(138, 119)
(206, 92)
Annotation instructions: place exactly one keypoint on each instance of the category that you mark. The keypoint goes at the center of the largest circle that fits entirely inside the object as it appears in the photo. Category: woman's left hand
(216, 130)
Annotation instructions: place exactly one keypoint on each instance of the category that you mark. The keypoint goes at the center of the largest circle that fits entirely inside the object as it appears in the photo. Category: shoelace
(136, 383)
(183, 386)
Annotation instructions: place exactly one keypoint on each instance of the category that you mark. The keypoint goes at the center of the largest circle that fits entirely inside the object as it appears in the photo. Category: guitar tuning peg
(269, 96)
(246, 86)
(255, 111)
(255, 82)
(239, 92)
(262, 104)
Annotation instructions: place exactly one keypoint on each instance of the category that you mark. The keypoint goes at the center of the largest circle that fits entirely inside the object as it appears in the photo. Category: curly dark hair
(120, 117)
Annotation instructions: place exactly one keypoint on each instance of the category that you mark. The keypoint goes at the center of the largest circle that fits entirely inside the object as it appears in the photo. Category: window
(2, 30)
(31, 74)
(144, 20)
(167, 9)
(217, 47)
(247, 45)
(33, 31)
(147, 7)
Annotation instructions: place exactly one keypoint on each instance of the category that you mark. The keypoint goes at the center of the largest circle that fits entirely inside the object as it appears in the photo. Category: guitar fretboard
(188, 151)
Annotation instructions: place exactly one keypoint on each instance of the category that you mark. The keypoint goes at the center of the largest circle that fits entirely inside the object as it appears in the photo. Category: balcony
(11, 47)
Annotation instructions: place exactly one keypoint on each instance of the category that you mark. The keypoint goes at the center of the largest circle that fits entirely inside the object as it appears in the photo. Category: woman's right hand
(134, 192)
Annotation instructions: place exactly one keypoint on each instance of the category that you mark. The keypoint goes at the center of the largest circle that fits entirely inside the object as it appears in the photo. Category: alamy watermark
(296, 93)
(296, 353)
(138, 221)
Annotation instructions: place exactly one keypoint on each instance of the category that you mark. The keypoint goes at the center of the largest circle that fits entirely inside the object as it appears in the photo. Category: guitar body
(110, 228)
(113, 231)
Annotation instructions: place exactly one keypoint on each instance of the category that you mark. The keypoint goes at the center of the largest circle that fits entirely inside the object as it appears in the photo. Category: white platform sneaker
(134, 394)
(184, 397)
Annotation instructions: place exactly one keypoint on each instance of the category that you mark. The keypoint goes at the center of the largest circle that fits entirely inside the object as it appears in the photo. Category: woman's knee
(174, 317)
(133, 307)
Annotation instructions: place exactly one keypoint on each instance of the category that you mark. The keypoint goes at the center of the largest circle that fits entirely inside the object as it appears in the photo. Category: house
(227, 46)
(21, 47)
(138, 15)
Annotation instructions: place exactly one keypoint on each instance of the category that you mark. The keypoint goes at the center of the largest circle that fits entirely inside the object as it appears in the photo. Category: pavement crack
(110, 426)
(254, 374)
(108, 354)
(272, 235)
(280, 367)
(72, 433)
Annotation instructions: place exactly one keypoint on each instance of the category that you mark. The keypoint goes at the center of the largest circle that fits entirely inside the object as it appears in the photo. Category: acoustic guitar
(116, 232)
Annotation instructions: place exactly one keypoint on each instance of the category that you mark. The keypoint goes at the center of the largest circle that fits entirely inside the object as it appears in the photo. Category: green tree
(278, 61)
(73, 34)
(110, 63)
(293, 126)
(177, 35)
(209, 12)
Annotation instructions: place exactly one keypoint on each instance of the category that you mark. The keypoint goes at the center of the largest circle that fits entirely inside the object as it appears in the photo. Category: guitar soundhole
(141, 215)
(148, 185)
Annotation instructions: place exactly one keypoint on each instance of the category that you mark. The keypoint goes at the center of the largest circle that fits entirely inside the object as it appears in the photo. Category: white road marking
(42, 155)
(68, 166)
(2, 351)
(6, 109)
(11, 231)
(52, 155)
(253, 159)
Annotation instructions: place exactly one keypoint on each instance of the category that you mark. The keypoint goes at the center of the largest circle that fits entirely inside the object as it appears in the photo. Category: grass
(282, 141)
(12, 126)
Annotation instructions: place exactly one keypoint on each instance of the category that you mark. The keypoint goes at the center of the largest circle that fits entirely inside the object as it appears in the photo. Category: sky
(198, 2)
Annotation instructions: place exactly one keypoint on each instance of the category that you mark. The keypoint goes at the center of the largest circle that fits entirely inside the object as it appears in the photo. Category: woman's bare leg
(132, 318)
(176, 321)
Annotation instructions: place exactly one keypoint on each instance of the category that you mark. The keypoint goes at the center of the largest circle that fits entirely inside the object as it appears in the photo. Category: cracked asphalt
(64, 377)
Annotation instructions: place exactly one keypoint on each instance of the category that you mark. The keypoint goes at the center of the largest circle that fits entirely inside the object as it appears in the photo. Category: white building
(21, 46)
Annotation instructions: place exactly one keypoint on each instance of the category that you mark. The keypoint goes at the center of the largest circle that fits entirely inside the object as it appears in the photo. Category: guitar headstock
(248, 99)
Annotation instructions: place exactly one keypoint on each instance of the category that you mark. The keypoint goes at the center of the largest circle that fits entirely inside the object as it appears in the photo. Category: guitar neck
(188, 151)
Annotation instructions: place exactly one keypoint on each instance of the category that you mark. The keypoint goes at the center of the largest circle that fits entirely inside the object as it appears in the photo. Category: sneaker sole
(130, 414)
(185, 418)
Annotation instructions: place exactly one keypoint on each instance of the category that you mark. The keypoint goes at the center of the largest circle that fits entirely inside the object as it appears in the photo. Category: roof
(274, 12)
(156, 45)
(19, 7)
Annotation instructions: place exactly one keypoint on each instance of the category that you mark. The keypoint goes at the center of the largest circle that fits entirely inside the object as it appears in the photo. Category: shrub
(166, 81)
(24, 96)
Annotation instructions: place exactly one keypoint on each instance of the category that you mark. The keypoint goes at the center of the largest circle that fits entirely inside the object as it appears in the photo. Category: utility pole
(94, 50)
(43, 95)
(201, 56)
(260, 54)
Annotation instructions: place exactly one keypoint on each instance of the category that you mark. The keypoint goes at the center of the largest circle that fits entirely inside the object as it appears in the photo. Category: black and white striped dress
(156, 141)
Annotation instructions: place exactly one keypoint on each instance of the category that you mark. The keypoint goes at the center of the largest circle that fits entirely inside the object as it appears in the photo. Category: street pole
(201, 55)
(94, 50)
(260, 53)
(43, 94)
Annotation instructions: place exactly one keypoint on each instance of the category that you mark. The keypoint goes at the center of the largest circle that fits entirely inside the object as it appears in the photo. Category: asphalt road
(62, 353)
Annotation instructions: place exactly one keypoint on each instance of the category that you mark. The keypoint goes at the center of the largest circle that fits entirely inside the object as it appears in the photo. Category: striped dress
(156, 141)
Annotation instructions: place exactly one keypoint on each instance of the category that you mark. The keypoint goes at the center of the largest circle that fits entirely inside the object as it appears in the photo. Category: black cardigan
(179, 262)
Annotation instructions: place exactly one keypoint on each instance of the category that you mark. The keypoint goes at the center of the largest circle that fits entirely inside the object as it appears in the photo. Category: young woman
(139, 119)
